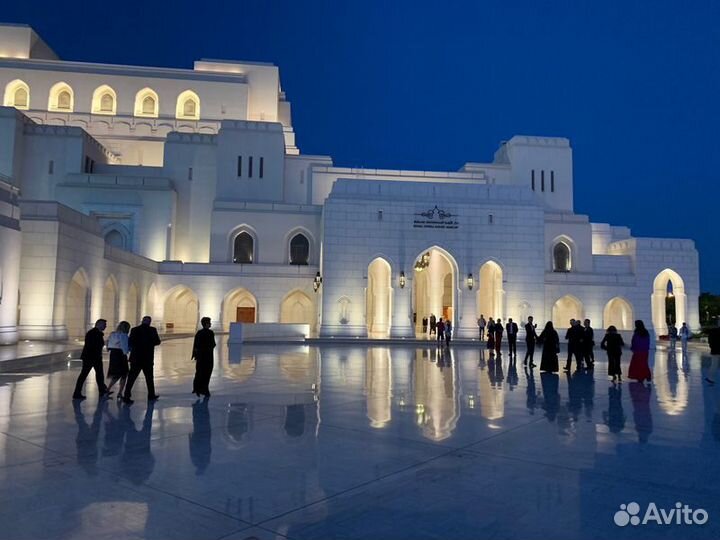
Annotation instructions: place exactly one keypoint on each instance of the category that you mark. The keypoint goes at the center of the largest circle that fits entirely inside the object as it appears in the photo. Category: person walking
(640, 346)
(588, 345)
(143, 340)
(714, 342)
(481, 326)
(530, 339)
(551, 347)
(424, 325)
(684, 337)
(440, 327)
(448, 332)
(491, 335)
(433, 324)
(92, 359)
(202, 353)
(512, 331)
(119, 348)
(574, 337)
(673, 335)
(613, 344)
(498, 335)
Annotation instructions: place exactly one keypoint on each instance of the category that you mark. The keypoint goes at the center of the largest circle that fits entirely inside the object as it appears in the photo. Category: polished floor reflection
(359, 442)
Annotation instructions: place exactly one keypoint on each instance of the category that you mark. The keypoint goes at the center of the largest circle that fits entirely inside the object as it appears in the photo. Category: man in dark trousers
(530, 339)
(202, 353)
(92, 359)
(588, 345)
(512, 330)
(143, 340)
(574, 337)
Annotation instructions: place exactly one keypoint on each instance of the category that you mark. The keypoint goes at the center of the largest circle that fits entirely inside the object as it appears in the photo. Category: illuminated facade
(181, 193)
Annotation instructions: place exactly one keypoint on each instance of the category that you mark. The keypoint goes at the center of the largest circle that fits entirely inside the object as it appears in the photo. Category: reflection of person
(551, 396)
(551, 347)
(86, 441)
(202, 352)
(92, 359)
(530, 338)
(143, 340)
(613, 344)
(199, 441)
(640, 346)
(512, 330)
(640, 396)
(137, 461)
(614, 417)
(714, 342)
(119, 348)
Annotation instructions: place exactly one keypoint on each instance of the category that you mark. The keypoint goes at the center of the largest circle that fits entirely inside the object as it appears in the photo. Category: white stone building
(180, 193)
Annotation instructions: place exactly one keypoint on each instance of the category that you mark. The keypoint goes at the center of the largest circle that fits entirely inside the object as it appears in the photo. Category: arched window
(17, 94)
(104, 100)
(146, 103)
(61, 98)
(561, 258)
(115, 239)
(299, 250)
(188, 106)
(243, 249)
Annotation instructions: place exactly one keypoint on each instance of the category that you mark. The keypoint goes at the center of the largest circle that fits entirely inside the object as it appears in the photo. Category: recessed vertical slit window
(532, 179)
(262, 167)
(190, 173)
(239, 168)
(542, 180)
(250, 167)
(552, 181)
(51, 167)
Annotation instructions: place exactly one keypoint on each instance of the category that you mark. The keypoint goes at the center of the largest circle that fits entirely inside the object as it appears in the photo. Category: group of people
(441, 329)
(580, 338)
(132, 351)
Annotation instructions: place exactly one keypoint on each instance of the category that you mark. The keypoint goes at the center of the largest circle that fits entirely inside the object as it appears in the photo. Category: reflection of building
(436, 395)
(378, 386)
(179, 192)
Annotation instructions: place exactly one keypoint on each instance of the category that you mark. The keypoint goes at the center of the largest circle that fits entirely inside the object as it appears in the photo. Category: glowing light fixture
(317, 282)
(470, 281)
(402, 280)
(423, 262)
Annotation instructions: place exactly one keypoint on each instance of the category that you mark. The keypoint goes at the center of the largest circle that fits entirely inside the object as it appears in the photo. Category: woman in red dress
(640, 346)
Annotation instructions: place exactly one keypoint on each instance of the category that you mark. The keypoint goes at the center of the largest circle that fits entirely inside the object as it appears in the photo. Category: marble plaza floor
(339, 442)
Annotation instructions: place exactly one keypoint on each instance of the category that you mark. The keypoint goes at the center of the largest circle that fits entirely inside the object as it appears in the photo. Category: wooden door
(246, 314)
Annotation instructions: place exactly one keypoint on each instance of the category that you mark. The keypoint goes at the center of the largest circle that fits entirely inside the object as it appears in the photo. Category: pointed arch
(109, 307)
(77, 304)
(379, 298)
(181, 310)
(104, 100)
(562, 254)
(298, 308)
(132, 303)
(17, 94)
(566, 308)
(61, 98)
(239, 305)
(491, 294)
(618, 312)
(150, 301)
(668, 301)
(435, 284)
(147, 103)
(188, 106)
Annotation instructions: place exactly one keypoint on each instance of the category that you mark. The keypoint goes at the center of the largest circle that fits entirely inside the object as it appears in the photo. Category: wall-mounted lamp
(317, 282)
(470, 281)
(402, 280)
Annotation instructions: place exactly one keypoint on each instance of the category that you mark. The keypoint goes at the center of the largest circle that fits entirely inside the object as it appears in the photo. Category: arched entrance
(434, 287)
(566, 308)
(131, 306)
(297, 308)
(618, 313)
(379, 299)
(151, 301)
(181, 310)
(490, 295)
(239, 306)
(668, 301)
(77, 305)
(109, 303)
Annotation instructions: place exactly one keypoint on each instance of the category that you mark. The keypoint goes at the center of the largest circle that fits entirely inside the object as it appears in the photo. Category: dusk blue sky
(635, 86)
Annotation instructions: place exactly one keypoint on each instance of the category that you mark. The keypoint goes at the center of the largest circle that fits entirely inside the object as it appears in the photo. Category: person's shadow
(614, 417)
(581, 393)
(640, 397)
(200, 440)
(137, 461)
(86, 441)
(531, 392)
